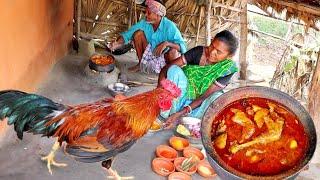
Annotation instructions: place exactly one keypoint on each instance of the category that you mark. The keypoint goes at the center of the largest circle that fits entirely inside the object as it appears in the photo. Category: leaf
(290, 65)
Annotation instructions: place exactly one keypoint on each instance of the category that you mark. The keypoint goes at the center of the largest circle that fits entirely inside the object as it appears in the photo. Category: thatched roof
(306, 10)
(105, 19)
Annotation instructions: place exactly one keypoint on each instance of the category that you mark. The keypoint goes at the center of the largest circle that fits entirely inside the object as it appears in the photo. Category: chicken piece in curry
(261, 137)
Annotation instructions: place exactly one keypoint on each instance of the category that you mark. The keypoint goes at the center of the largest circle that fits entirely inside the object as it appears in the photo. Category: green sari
(200, 78)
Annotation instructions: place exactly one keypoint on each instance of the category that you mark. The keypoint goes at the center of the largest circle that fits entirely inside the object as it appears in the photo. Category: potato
(221, 141)
(293, 144)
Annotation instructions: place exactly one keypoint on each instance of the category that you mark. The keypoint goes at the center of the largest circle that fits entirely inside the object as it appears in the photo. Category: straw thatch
(105, 19)
(307, 11)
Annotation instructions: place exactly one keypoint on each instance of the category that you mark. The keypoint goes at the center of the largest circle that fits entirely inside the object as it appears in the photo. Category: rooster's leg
(50, 158)
(114, 175)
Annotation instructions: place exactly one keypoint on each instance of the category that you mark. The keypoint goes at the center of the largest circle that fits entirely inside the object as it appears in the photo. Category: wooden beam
(290, 25)
(204, 16)
(130, 13)
(89, 36)
(120, 2)
(215, 5)
(267, 15)
(193, 36)
(268, 34)
(85, 19)
(135, 13)
(243, 43)
(273, 17)
(314, 94)
(208, 23)
(78, 19)
(299, 7)
(199, 25)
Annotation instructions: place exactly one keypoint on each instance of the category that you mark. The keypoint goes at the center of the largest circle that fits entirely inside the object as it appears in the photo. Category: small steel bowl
(188, 122)
(118, 88)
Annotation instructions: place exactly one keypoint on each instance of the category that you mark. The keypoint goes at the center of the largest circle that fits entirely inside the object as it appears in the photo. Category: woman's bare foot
(135, 68)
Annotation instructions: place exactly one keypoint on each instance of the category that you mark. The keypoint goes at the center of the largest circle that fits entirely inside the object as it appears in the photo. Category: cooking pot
(102, 68)
(227, 172)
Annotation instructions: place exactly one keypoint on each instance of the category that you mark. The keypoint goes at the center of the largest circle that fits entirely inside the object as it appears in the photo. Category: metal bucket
(227, 172)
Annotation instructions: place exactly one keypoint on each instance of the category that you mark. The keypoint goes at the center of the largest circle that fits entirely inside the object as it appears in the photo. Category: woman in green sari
(201, 74)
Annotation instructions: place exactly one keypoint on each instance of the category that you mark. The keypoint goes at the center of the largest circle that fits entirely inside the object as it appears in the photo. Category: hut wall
(33, 36)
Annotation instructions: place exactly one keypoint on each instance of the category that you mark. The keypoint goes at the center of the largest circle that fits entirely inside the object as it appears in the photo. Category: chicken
(259, 116)
(92, 132)
(273, 134)
(242, 119)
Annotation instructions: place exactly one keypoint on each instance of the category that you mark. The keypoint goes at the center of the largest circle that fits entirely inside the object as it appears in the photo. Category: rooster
(93, 132)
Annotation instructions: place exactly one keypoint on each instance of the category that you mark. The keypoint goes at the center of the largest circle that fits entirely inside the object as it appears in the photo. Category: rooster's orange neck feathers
(143, 110)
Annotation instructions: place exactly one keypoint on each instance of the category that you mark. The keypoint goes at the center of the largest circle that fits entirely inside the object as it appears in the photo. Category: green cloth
(200, 78)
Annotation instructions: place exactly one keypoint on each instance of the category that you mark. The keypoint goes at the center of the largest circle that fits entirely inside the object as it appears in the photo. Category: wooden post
(78, 20)
(243, 42)
(130, 13)
(135, 13)
(208, 23)
(199, 25)
(314, 102)
(288, 31)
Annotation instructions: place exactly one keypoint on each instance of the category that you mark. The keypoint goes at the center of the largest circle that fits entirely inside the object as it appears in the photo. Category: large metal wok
(227, 172)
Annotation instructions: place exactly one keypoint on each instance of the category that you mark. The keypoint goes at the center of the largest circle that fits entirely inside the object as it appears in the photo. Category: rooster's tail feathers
(28, 112)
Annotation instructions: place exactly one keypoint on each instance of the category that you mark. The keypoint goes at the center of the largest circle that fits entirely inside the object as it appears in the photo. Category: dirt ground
(263, 56)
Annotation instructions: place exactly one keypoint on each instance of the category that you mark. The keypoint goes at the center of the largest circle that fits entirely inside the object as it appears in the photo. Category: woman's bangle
(189, 109)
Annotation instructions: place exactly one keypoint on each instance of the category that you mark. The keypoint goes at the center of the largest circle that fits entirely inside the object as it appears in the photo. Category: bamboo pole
(268, 34)
(204, 16)
(243, 42)
(130, 13)
(193, 36)
(78, 20)
(314, 95)
(102, 22)
(270, 16)
(215, 4)
(314, 102)
(288, 32)
(299, 7)
(199, 25)
(208, 23)
(89, 36)
(135, 13)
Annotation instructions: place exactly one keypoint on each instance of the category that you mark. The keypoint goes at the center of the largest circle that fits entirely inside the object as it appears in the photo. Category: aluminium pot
(102, 68)
(227, 172)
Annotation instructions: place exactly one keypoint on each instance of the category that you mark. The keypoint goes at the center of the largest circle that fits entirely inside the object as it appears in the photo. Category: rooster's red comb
(171, 87)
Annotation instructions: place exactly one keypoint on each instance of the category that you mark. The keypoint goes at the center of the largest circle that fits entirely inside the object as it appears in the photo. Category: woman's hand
(172, 119)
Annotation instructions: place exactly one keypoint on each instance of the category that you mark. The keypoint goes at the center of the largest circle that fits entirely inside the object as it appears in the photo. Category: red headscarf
(156, 7)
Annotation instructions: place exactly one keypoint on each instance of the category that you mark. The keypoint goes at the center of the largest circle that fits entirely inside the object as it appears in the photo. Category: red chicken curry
(259, 137)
